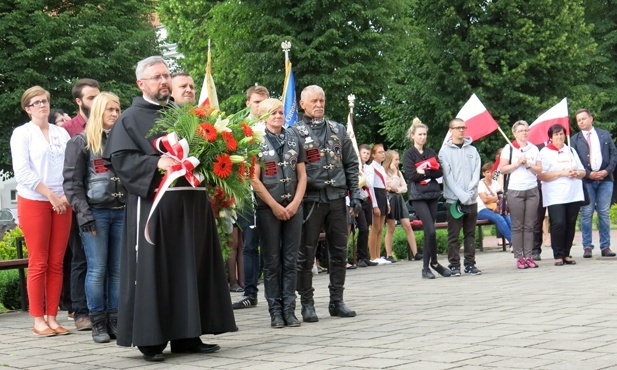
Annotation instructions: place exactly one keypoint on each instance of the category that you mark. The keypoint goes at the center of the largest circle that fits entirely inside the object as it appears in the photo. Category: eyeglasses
(164, 76)
(521, 131)
(38, 103)
(460, 128)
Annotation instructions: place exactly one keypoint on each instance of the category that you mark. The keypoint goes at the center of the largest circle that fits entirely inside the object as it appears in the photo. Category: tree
(345, 47)
(53, 43)
(519, 57)
(602, 15)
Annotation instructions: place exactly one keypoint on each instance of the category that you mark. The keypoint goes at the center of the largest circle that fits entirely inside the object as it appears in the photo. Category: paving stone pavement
(545, 318)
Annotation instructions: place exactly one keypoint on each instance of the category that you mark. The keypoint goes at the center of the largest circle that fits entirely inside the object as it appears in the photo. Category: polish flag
(538, 131)
(478, 120)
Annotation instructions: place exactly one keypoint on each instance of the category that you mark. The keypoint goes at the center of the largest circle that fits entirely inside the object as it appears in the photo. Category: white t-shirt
(36, 160)
(482, 188)
(563, 189)
(522, 179)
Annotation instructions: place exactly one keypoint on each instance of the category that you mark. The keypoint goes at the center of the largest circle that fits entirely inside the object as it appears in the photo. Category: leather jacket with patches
(331, 162)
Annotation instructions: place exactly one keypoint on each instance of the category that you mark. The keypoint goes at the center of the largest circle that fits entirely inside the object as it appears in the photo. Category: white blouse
(37, 160)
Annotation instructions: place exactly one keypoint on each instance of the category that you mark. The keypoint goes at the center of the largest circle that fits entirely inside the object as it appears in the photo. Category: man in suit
(598, 154)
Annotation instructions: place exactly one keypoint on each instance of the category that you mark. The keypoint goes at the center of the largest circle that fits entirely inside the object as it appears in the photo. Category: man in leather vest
(332, 171)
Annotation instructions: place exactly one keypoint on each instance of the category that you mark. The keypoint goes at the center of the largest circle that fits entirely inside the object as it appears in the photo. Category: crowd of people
(89, 183)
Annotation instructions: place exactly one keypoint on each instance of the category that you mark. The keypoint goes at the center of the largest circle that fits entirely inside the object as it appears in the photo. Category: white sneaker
(314, 270)
(384, 261)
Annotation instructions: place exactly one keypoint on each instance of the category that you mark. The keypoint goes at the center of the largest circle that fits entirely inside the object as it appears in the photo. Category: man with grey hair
(173, 287)
(332, 169)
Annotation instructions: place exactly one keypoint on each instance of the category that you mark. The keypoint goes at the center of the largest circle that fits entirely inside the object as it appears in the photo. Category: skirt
(398, 207)
(382, 200)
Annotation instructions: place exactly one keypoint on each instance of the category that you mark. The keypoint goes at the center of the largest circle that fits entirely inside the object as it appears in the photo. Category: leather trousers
(331, 218)
(280, 241)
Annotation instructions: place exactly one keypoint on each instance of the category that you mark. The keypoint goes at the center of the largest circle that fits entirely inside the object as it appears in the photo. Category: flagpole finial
(286, 46)
(351, 98)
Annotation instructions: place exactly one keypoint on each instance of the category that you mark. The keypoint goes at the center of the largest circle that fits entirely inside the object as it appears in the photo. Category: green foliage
(613, 214)
(519, 57)
(345, 47)
(53, 43)
(8, 245)
(9, 289)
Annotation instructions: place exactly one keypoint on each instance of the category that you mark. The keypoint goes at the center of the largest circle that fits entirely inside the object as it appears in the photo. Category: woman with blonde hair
(97, 197)
(396, 187)
(422, 170)
(279, 212)
(37, 153)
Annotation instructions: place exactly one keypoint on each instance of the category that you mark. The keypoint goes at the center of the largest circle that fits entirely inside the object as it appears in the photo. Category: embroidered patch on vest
(312, 155)
(99, 165)
(271, 168)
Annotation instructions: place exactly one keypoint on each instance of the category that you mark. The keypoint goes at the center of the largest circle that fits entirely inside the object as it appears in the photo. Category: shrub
(8, 245)
(9, 289)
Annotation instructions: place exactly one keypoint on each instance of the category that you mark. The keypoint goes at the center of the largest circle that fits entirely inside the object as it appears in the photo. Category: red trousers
(46, 233)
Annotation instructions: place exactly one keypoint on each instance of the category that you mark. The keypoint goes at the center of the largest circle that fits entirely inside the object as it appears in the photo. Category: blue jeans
(600, 195)
(503, 223)
(103, 258)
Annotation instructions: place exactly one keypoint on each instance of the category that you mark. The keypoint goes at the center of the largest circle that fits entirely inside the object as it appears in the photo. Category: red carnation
(222, 165)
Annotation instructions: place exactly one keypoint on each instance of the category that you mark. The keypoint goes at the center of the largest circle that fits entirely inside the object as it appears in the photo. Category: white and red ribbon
(178, 150)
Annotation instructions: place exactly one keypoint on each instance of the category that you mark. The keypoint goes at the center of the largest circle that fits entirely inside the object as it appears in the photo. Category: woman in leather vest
(97, 197)
(279, 183)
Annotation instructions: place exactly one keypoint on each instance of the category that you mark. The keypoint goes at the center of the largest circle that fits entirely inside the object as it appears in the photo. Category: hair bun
(416, 121)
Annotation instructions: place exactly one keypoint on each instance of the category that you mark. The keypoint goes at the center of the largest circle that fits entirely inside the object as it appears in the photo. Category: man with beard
(332, 171)
(183, 89)
(173, 287)
(84, 91)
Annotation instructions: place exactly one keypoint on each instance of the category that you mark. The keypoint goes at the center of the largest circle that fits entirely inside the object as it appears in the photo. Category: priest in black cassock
(174, 289)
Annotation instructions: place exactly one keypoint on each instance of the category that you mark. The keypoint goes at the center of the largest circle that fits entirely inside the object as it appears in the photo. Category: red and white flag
(538, 131)
(207, 97)
(478, 120)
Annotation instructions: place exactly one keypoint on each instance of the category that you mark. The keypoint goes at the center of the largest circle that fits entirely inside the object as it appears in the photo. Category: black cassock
(176, 288)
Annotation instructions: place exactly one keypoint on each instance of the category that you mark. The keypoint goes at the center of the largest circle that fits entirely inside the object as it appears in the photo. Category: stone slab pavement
(545, 318)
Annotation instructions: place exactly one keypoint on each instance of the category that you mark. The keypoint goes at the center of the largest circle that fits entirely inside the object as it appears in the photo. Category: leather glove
(356, 205)
(88, 227)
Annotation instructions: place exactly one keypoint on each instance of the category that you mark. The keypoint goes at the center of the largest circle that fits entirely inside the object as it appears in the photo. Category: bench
(20, 263)
(444, 225)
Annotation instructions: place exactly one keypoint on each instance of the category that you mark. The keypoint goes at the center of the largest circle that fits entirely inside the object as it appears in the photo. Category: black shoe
(455, 271)
(308, 313)
(340, 309)
(370, 263)
(199, 348)
(445, 272)
(156, 357)
(245, 302)
(277, 321)
(587, 253)
(607, 252)
(472, 270)
(536, 257)
(418, 256)
(361, 263)
(427, 274)
(291, 319)
(391, 259)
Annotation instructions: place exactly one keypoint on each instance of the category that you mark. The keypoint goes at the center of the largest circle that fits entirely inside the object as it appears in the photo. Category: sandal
(236, 290)
(559, 263)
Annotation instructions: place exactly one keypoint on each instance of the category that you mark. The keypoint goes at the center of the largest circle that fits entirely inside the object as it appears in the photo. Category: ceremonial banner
(290, 107)
(207, 96)
(558, 114)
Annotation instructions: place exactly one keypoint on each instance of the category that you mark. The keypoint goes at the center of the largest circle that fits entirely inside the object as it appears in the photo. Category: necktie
(589, 143)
